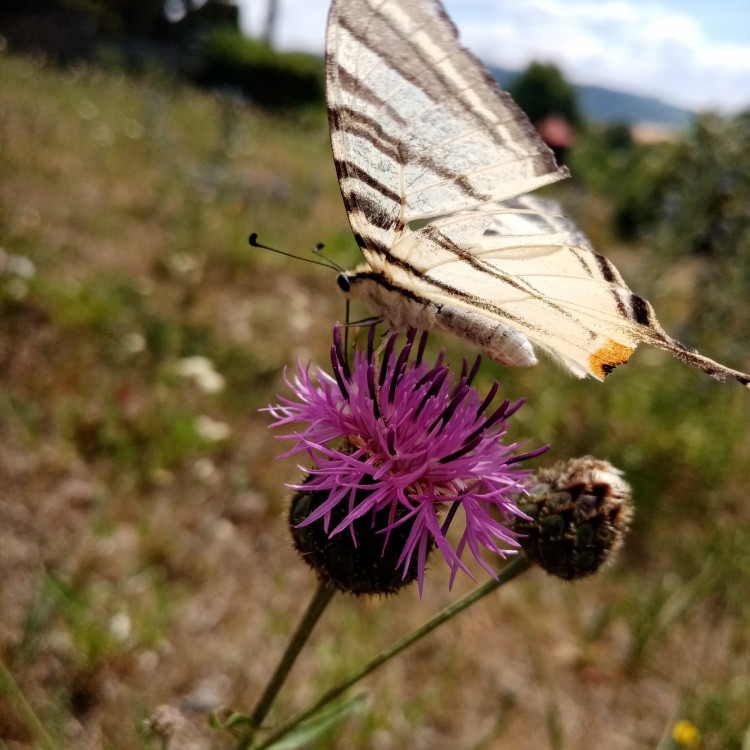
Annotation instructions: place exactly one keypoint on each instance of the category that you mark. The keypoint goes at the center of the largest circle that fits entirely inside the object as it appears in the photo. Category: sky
(690, 53)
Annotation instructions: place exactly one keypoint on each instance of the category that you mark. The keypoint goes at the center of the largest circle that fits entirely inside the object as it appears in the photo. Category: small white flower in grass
(21, 266)
(204, 468)
(121, 626)
(134, 342)
(16, 265)
(211, 429)
(201, 371)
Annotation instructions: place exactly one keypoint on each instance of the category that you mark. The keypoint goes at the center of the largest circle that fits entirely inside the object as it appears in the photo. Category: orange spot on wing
(604, 360)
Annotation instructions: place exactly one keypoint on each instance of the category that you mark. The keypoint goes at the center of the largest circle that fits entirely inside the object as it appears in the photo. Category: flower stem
(9, 687)
(315, 609)
(513, 569)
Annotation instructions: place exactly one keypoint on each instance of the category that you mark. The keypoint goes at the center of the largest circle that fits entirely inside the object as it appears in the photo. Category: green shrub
(269, 78)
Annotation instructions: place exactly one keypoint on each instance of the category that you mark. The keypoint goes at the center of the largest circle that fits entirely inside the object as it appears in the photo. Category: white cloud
(640, 47)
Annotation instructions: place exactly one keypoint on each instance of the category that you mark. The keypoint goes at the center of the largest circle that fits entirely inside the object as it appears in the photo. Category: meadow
(145, 558)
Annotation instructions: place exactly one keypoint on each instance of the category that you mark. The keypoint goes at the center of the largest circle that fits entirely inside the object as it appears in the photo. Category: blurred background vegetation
(144, 558)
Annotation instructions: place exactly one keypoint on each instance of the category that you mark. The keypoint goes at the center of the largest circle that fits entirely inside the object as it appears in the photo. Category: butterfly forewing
(419, 130)
(418, 127)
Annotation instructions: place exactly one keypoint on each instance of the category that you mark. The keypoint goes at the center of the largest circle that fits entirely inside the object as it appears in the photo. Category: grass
(145, 562)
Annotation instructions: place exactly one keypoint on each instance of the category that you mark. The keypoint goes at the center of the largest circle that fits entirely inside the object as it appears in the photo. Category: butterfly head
(344, 282)
(362, 283)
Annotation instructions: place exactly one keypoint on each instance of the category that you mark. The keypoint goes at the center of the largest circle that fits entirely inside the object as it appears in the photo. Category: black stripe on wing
(351, 85)
(354, 123)
(510, 115)
(479, 265)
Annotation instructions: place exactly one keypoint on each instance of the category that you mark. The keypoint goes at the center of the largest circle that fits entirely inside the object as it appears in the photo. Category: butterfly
(420, 132)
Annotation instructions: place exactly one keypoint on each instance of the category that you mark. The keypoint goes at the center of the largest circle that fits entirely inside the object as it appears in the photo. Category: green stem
(27, 714)
(519, 565)
(315, 609)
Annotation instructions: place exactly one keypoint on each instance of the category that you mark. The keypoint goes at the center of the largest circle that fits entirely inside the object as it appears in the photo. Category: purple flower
(415, 442)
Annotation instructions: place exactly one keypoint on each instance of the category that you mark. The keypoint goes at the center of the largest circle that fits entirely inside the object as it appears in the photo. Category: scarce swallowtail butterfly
(420, 131)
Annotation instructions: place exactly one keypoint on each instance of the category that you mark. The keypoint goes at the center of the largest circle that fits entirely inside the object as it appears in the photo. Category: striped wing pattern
(418, 127)
(419, 130)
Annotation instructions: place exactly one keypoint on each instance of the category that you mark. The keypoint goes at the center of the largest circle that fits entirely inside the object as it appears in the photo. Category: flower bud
(357, 558)
(579, 512)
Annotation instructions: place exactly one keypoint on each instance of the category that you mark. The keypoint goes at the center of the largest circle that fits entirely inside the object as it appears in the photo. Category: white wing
(418, 127)
(420, 130)
(525, 265)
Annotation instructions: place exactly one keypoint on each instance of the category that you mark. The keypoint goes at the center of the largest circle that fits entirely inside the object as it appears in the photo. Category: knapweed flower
(576, 516)
(402, 443)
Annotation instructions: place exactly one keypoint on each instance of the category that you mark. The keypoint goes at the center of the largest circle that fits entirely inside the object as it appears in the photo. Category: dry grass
(142, 564)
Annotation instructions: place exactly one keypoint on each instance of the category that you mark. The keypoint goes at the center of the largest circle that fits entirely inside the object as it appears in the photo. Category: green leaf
(235, 719)
(308, 731)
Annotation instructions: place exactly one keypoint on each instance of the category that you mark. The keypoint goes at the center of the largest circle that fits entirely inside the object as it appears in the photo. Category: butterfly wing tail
(652, 333)
(695, 359)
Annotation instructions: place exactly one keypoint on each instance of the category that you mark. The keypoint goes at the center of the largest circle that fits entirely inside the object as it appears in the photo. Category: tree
(118, 17)
(690, 199)
(541, 91)
(705, 212)
(155, 19)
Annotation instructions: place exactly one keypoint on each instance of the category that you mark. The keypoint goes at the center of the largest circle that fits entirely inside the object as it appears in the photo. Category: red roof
(556, 132)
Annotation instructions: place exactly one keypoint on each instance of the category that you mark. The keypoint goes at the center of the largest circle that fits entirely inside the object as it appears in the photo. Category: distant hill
(605, 105)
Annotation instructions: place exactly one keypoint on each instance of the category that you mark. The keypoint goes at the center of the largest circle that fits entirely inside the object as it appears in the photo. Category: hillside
(145, 554)
(605, 105)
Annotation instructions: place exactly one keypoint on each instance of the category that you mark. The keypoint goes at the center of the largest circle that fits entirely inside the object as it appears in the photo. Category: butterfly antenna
(317, 250)
(253, 240)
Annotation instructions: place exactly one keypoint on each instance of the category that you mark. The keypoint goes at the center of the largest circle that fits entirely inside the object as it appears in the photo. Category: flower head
(399, 440)
(576, 517)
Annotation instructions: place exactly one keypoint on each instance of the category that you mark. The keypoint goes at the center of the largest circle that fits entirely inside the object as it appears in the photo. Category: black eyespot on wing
(640, 309)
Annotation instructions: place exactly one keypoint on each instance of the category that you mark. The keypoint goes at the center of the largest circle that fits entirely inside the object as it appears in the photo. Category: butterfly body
(403, 309)
(420, 133)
